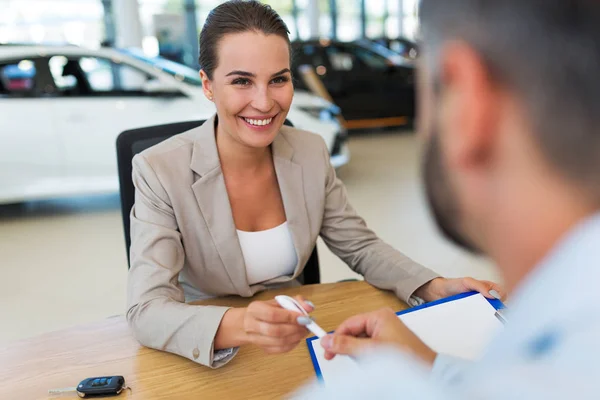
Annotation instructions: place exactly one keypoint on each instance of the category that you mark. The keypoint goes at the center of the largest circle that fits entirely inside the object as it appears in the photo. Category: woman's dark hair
(237, 16)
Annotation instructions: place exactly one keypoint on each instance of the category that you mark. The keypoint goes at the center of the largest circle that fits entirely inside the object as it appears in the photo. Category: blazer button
(196, 353)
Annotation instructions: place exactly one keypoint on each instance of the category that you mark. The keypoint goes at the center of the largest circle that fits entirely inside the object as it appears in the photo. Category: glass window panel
(17, 78)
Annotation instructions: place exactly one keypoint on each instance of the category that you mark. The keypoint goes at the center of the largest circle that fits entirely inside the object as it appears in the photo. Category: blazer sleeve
(348, 237)
(156, 310)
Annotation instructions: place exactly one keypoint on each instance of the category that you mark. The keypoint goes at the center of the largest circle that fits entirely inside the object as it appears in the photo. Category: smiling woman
(251, 87)
(246, 71)
(235, 207)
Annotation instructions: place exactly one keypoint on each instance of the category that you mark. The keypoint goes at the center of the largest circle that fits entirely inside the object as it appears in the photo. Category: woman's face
(251, 87)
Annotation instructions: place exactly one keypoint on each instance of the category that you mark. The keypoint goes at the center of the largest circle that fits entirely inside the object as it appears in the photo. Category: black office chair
(134, 141)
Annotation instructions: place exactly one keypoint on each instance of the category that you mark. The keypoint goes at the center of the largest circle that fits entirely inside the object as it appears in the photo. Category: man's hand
(364, 331)
(439, 288)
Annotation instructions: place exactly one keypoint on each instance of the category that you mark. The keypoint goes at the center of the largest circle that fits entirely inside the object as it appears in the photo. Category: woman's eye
(280, 79)
(241, 82)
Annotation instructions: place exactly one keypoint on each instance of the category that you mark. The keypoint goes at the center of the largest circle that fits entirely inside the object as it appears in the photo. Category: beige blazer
(183, 236)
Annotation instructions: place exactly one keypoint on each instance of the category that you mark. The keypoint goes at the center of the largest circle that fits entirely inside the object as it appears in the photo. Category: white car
(62, 108)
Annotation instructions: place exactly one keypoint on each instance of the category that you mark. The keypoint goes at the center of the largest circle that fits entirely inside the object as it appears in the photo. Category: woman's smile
(259, 123)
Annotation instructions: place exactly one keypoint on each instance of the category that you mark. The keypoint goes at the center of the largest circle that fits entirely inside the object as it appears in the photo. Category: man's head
(510, 108)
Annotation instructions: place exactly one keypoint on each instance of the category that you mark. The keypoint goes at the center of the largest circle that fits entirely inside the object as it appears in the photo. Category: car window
(17, 78)
(340, 59)
(96, 76)
(178, 71)
(371, 59)
(62, 82)
(398, 47)
(312, 55)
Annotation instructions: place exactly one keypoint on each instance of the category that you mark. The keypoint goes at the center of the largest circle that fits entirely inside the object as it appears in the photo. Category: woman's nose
(263, 101)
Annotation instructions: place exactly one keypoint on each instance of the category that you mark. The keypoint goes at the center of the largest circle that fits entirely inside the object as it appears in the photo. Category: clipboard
(429, 336)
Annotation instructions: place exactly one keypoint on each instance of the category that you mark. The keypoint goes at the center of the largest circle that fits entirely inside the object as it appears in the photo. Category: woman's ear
(206, 85)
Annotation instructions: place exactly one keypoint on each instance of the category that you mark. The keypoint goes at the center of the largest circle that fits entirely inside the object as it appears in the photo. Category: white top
(548, 349)
(268, 254)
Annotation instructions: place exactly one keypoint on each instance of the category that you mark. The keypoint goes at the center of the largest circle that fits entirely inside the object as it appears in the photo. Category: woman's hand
(273, 328)
(263, 323)
(439, 288)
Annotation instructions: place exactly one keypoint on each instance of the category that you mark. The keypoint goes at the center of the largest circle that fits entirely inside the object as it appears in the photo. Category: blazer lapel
(289, 176)
(213, 200)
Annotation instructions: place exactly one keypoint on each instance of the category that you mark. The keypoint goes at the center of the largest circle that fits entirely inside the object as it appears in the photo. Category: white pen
(291, 304)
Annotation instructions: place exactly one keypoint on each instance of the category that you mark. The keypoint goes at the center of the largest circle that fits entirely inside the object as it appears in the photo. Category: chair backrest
(134, 141)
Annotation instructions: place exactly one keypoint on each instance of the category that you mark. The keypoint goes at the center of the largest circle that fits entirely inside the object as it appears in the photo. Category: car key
(96, 387)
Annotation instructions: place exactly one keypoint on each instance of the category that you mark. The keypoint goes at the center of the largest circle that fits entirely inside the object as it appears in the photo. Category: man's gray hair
(548, 53)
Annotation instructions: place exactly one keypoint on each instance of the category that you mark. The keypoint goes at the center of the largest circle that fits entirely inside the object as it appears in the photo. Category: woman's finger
(486, 288)
(273, 341)
(496, 290)
(275, 330)
(307, 305)
(272, 313)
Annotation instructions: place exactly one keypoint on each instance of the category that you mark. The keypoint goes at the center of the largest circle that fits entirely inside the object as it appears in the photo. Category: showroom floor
(63, 262)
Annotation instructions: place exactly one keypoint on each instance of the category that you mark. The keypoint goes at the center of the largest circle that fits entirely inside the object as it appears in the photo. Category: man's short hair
(548, 53)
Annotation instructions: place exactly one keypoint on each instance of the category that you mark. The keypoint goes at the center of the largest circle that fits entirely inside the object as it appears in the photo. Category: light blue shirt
(549, 349)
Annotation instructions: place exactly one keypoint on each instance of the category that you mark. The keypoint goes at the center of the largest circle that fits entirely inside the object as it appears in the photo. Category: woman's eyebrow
(283, 71)
(251, 75)
(242, 73)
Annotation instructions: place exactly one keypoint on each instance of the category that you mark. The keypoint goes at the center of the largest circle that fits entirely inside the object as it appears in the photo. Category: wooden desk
(28, 368)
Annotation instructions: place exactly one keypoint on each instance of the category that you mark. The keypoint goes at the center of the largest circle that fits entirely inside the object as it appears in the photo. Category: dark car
(403, 46)
(373, 86)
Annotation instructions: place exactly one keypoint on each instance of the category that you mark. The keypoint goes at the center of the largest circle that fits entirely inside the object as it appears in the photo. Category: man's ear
(469, 102)
(206, 85)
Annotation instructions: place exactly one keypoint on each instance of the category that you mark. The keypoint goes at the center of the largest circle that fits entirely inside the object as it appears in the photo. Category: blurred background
(146, 22)
(74, 74)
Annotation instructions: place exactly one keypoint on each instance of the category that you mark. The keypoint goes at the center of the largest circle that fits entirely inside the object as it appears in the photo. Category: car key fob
(101, 386)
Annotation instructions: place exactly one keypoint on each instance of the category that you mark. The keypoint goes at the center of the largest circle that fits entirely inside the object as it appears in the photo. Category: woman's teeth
(258, 122)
